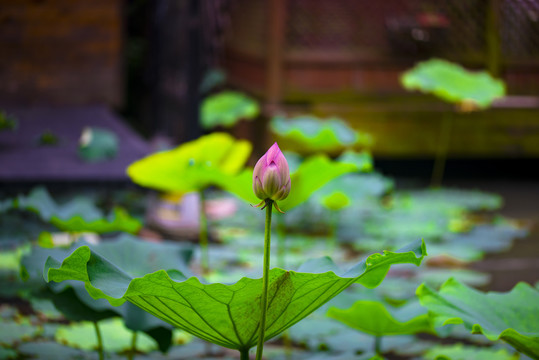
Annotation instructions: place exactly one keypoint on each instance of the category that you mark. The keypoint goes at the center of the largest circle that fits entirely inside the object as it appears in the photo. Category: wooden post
(492, 35)
(274, 66)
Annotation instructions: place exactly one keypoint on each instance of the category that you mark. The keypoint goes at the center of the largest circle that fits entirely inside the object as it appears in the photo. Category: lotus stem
(265, 281)
(203, 236)
(100, 350)
(287, 345)
(333, 225)
(133, 350)
(378, 344)
(441, 152)
(244, 354)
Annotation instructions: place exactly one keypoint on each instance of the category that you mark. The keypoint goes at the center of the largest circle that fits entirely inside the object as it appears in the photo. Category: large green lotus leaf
(462, 352)
(311, 175)
(512, 316)
(192, 166)
(374, 318)
(227, 315)
(309, 134)
(134, 256)
(453, 83)
(78, 215)
(227, 108)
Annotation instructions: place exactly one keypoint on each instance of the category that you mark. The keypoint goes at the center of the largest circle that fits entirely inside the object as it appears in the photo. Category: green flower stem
(334, 223)
(203, 236)
(244, 354)
(378, 345)
(265, 281)
(287, 342)
(441, 152)
(133, 349)
(99, 341)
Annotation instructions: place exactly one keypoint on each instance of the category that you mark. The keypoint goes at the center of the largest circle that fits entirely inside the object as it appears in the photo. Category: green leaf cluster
(462, 352)
(512, 316)
(226, 315)
(77, 215)
(135, 257)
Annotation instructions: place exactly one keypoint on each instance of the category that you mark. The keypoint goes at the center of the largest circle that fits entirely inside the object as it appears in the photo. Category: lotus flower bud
(271, 176)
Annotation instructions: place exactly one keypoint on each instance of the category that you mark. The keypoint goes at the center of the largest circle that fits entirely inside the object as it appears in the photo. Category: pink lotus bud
(271, 177)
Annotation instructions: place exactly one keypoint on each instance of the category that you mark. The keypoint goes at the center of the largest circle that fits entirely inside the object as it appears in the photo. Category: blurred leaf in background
(308, 134)
(453, 83)
(98, 144)
(8, 122)
(192, 166)
(512, 316)
(227, 108)
(374, 318)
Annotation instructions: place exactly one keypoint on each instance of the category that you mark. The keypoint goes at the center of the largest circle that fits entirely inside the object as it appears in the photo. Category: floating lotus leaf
(78, 215)
(116, 337)
(227, 315)
(336, 201)
(453, 83)
(462, 352)
(192, 166)
(512, 316)
(118, 220)
(311, 175)
(447, 200)
(359, 187)
(309, 134)
(227, 108)
(51, 350)
(7, 353)
(374, 318)
(363, 160)
(13, 332)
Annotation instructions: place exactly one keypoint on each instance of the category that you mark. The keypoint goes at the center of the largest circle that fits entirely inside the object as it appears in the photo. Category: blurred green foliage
(192, 166)
(227, 108)
(453, 83)
(308, 134)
